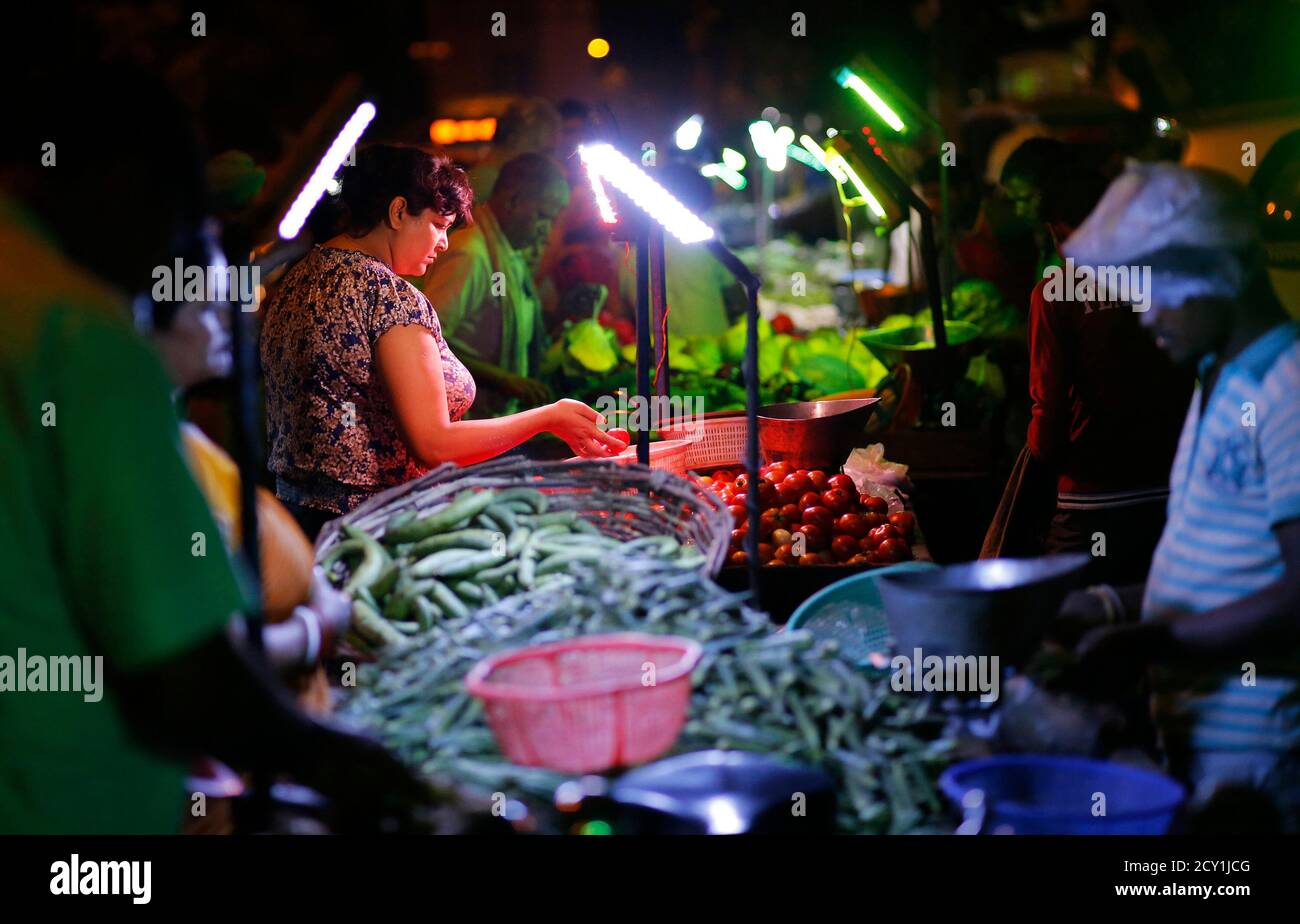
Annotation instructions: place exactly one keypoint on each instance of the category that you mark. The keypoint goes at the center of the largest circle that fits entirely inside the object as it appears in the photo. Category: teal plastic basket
(850, 612)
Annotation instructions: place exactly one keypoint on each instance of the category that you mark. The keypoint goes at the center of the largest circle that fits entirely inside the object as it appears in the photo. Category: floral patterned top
(334, 435)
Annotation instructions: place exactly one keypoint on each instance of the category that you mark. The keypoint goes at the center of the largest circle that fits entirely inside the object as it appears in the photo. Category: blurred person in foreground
(1106, 402)
(1218, 618)
(97, 557)
(483, 290)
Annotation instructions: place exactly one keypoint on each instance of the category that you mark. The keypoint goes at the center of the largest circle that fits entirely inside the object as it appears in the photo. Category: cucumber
(467, 505)
(460, 539)
(373, 627)
(396, 523)
(532, 497)
(448, 601)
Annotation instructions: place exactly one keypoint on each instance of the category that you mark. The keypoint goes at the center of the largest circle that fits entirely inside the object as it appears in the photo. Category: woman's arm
(411, 369)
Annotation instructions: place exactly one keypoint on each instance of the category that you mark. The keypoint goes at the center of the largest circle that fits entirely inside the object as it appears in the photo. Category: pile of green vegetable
(586, 361)
(472, 551)
(783, 694)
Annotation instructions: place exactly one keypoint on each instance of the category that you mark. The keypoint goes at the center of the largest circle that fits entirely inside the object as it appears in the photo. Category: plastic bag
(874, 475)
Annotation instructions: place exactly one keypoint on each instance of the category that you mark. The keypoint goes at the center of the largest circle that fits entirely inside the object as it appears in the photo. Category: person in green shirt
(108, 551)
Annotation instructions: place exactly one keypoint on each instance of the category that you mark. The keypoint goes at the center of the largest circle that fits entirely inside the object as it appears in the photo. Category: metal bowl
(813, 434)
(915, 346)
(997, 606)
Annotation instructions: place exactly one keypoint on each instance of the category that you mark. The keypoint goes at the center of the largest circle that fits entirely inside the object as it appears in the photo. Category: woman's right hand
(579, 426)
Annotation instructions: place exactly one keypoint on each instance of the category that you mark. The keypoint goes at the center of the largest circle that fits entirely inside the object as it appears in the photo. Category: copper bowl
(813, 434)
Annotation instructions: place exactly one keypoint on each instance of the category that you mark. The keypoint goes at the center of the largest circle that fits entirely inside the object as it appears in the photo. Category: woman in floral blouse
(362, 390)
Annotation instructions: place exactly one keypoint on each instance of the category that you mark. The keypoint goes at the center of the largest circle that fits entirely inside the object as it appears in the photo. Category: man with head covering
(483, 291)
(1219, 615)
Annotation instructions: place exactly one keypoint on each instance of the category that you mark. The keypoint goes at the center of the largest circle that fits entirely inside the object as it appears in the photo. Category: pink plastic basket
(714, 442)
(666, 454)
(585, 705)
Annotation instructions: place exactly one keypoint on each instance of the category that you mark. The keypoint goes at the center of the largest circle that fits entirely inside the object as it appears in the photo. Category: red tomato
(738, 558)
(873, 520)
(706, 481)
(773, 476)
(818, 516)
(843, 482)
(892, 550)
(769, 521)
(766, 494)
(814, 536)
(851, 524)
(867, 545)
(722, 475)
(881, 533)
(874, 504)
(787, 495)
(837, 500)
(782, 324)
(819, 479)
(844, 547)
(793, 513)
(859, 559)
(765, 552)
(740, 498)
(784, 553)
(799, 482)
(809, 499)
(778, 563)
(620, 434)
(904, 522)
(741, 481)
(811, 559)
(738, 513)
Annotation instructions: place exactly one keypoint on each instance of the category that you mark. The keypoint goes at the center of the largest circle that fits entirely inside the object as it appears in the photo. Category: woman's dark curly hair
(383, 172)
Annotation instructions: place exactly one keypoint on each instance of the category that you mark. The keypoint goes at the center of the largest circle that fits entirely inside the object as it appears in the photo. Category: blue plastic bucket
(1042, 794)
(851, 612)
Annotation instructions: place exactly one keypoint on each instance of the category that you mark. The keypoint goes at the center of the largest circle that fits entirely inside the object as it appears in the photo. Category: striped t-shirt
(1235, 476)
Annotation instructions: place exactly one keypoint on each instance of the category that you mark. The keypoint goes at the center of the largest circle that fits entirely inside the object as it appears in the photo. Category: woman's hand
(579, 426)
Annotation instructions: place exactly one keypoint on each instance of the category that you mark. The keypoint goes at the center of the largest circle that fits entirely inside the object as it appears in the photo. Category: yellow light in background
(598, 48)
(1271, 208)
(454, 131)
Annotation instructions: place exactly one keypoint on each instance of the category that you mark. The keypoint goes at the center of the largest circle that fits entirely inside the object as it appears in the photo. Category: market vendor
(1219, 615)
(363, 390)
(483, 290)
(1106, 402)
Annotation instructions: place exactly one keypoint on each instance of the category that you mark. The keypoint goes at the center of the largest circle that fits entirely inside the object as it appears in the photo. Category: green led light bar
(851, 81)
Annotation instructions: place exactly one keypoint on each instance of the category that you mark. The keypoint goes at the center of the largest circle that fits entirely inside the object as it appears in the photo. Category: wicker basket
(623, 501)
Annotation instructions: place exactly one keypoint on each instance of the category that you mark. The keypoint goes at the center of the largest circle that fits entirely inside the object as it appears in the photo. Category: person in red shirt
(1107, 404)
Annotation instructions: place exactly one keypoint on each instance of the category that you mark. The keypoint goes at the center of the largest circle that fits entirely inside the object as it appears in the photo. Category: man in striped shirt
(1220, 611)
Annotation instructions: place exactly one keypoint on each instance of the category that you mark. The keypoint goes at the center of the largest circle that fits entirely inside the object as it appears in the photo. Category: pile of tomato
(838, 525)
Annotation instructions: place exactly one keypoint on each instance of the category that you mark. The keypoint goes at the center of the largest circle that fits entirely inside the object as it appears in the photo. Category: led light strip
(603, 205)
(314, 188)
(633, 182)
